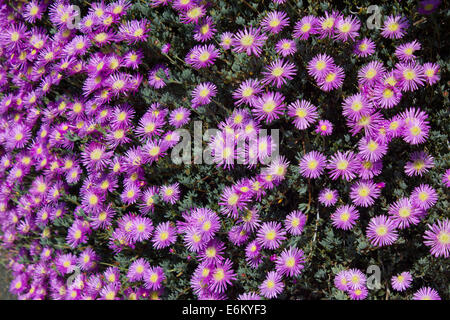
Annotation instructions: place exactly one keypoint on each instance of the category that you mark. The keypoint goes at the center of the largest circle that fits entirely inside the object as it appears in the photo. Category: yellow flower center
(247, 40)
(345, 216)
(312, 164)
(96, 154)
(290, 262)
(233, 199)
(345, 27)
(404, 212)
(269, 106)
(381, 230)
(444, 237)
(194, 13)
(274, 23)
(164, 235)
(306, 27)
(393, 26)
(409, 74)
(371, 73)
(330, 77)
(271, 235)
(277, 72)
(342, 164)
(363, 191)
(320, 65)
(388, 93)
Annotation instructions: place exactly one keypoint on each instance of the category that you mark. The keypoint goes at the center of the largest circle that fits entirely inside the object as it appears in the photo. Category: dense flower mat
(94, 205)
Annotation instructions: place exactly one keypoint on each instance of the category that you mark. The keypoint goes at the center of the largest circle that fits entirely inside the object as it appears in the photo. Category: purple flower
(402, 281)
(312, 164)
(438, 238)
(272, 286)
(381, 231)
(290, 262)
(345, 217)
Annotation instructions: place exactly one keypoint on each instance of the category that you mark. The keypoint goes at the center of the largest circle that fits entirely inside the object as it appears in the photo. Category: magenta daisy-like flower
(394, 27)
(355, 279)
(386, 96)
(247, 92)
(213, 251)
(340, 280)
(320, 66)
(332, 79)
(153, 278)
(403, 213)
(295, 222)
(371, 150)
(290, 262)
(231, 201)
(405, 52)
(203, 93)
(205, 30)
(134, 31)
(347, 28)
(415, 131)
(305, 27)
(137, 269)
(249, 40)
(326, 25)
(371, 73)
(438, 238)
(179, 117)
(312, 164)
(424, 197)
(270, 235)
(402, 281)
(364, 193)
(277, 169)
(324, 128)
(364, 47)
(193, 13)
(410, 75)
(286, 47)
(419, 164)
(431, 71)
(272, 286)
(345, 217)
(95, 156)
(356, 106)
(269, 106)
(253, 254)
(141, 229)
(202, 56)
(170, 193)
(221, 276)
(275, 21)
(226, 40)
(278, 72)
(303, 112)
(343, 164)
(358, 293)
(77, 234)
(164, 235)
(381, 231)
(426, 293)
(328, 197)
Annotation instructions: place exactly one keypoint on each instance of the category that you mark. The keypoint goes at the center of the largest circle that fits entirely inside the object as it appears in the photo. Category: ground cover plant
(185, 149)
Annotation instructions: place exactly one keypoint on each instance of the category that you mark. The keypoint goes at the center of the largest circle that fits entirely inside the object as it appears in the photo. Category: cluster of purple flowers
(94, 142)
